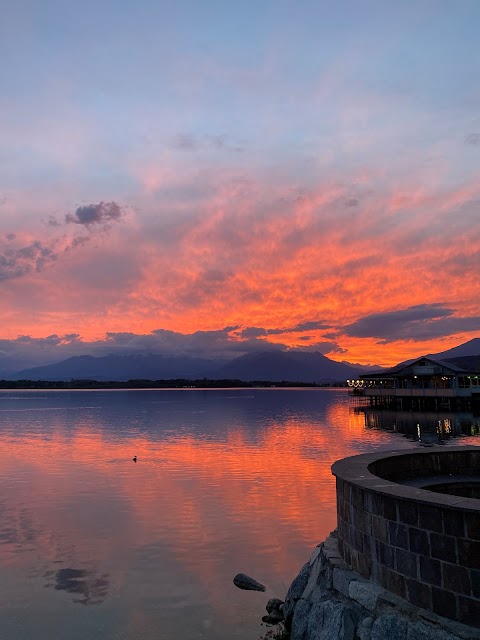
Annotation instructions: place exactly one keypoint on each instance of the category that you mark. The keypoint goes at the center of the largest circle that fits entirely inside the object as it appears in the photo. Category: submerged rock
(243, 581)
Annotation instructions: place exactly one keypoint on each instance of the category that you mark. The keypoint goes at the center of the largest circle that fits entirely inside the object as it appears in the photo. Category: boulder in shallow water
(243, 581)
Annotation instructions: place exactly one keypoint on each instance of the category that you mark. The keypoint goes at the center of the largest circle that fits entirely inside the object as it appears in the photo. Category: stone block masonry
(329, 601)
(423, 547)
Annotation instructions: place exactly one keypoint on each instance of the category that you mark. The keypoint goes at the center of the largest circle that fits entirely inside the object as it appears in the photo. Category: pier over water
(425, 384)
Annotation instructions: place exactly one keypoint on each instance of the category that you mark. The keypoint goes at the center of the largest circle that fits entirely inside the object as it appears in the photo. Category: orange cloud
(251, 253)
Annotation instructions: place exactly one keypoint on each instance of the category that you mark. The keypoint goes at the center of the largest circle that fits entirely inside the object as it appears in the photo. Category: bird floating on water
(134, 458)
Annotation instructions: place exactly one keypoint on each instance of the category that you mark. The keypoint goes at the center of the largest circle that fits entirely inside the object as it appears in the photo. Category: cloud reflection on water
(80, 582)
(220, 486)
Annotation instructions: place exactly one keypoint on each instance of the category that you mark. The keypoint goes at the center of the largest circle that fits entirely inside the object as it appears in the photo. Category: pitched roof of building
(454, 368)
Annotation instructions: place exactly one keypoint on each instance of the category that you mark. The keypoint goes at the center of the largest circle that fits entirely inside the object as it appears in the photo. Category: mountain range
(275, 366)
(465, 356)
(465, 350)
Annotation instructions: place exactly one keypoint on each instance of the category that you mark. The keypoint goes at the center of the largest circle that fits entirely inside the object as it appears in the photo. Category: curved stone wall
(421, 545)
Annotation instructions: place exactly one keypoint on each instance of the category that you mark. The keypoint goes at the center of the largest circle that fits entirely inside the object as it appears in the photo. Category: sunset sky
(214, 178)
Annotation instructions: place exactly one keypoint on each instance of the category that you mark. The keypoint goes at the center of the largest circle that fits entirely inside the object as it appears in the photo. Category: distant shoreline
(177, 383)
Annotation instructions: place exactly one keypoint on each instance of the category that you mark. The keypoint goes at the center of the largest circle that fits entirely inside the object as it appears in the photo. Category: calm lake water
(95, 546)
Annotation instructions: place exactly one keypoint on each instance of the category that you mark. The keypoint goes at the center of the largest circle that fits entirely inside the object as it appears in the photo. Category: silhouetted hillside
(470, 348)
(296, 366)
(112, 367)
(273, 366)
(469, 363)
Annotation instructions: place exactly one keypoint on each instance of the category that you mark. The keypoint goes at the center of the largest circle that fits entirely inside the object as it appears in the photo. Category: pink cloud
(212, 249)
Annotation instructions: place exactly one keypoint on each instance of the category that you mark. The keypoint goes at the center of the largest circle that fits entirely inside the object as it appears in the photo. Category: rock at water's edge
(295, 593)
(274, 604)
(273, 618)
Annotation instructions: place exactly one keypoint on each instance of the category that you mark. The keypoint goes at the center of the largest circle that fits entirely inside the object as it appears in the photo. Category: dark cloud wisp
(215, 142)
(418, 323)
(95, 214)
(17, 262)
(473, 139)
(257, 332)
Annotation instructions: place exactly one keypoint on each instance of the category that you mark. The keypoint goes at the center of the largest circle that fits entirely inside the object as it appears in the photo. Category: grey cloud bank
(222, 345)
(256, 332)
(417, 323)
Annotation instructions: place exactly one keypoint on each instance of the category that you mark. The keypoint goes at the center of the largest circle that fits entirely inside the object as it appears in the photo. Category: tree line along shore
(177, 383)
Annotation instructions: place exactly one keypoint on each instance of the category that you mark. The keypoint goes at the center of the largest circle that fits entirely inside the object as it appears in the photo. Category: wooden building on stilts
(422, 385)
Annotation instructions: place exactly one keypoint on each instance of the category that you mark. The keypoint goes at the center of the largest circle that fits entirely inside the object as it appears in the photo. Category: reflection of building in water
(426, 426)
(425, 384)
